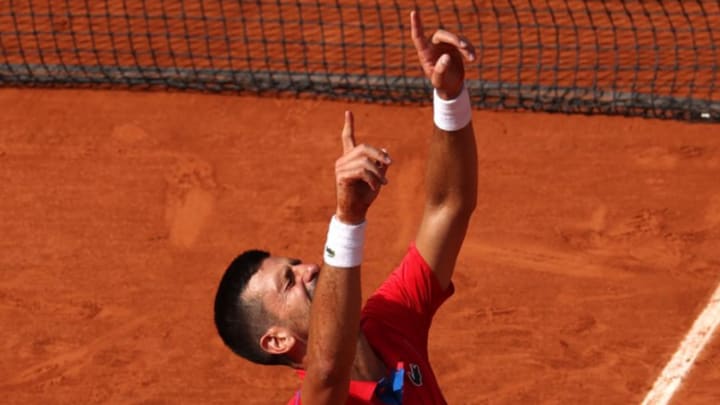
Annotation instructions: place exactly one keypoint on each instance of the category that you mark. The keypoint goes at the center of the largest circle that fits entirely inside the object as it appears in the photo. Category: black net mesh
(645, 58)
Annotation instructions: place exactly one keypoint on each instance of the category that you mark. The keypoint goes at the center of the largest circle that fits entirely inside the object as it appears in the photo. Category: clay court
(593, 250)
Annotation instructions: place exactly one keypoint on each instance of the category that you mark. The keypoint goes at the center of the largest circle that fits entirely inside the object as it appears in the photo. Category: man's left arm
(451, 179)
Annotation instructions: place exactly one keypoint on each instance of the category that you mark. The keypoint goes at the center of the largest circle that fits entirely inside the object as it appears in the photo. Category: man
(275, 310)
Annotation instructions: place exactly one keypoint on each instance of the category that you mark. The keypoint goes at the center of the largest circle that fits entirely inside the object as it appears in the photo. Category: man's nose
(309, 272)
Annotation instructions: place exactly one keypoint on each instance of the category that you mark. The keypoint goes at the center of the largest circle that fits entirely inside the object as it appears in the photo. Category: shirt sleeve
(410, 295)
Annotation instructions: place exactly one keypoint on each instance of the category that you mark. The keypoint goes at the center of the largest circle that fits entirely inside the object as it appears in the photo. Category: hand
(359, 175)
(441, 57)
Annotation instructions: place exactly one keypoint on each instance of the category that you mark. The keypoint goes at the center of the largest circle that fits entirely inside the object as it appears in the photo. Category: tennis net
(648, 58)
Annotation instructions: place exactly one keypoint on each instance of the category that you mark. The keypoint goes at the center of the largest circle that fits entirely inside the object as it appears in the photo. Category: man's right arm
(335, 312)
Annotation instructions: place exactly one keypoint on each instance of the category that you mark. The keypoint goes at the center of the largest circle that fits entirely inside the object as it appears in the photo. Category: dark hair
(241, 322)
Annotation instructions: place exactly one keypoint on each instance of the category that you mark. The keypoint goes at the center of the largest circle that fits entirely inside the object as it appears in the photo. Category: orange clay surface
(595, 244)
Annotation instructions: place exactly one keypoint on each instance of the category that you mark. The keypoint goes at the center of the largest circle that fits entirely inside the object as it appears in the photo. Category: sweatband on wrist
(344, 246)
(452, 115)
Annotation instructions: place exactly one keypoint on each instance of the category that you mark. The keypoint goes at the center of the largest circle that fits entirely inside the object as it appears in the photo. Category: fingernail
(463, 44)
(472, 56)
(445, 59)
(386, 158)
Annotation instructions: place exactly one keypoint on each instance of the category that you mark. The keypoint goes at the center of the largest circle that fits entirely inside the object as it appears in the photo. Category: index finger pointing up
(416, 30)
(348, 133)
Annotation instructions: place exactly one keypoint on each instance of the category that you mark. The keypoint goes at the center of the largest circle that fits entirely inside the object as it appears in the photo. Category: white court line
(681, 363)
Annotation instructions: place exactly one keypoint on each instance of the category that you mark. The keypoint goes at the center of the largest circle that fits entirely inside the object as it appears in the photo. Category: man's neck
(367, 365)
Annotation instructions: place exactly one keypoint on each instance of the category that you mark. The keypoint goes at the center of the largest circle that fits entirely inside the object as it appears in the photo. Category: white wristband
(452, 115)
(344, 246)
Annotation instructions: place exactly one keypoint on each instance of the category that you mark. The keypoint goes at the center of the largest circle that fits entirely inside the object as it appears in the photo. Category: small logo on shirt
(415, 375)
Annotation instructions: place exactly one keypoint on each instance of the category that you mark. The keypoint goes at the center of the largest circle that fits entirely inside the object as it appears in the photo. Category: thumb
(348, 133)
(441, 67)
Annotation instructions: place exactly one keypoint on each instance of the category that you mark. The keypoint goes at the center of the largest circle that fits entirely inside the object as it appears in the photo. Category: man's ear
(277, 340)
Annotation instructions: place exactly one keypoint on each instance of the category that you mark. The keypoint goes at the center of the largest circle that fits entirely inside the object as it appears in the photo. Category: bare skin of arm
(451, 179)
(335, 312)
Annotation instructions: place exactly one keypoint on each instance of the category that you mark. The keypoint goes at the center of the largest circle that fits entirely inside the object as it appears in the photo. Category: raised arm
(451, 179)
(335, 312)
